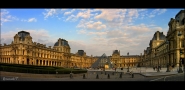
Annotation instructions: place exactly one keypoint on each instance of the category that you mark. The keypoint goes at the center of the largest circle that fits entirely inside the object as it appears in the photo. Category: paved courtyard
(140, 74)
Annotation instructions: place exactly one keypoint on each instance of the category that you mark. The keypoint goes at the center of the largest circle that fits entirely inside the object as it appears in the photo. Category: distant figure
(173, 66)
(131, 73)
(170, 67)
(160, 67)
(154, 68)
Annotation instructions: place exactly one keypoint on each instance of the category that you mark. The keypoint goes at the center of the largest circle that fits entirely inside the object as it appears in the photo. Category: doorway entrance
(28, 61)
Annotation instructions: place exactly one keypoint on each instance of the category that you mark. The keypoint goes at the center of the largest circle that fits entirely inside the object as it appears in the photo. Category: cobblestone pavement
(91, 75)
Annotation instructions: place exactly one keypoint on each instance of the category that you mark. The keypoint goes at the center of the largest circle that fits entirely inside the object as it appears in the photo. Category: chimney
(157, 35)
(59, 42)
(35, 43)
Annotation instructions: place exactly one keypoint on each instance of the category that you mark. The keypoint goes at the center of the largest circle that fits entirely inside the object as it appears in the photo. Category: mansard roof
(23, 34)
(115, 52)
(81, 52)
(63, 42)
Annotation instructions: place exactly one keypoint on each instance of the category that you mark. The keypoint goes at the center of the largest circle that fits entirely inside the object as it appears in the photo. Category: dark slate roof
(130, 55)
(148, 50)
(181, 11)
(115, 52)
(63, 43)
(161, 36)
(98, 63)
(81, 52)
(22, 34)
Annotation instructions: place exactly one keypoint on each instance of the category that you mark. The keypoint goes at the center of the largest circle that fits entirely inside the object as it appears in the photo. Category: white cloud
(156, 12)
(91, 25)
(72, 18)
(6, 17)
(49, 12)
(32, 20)
(97, 33)
(69, 12)
(116, 33)
(109, 14)
(85, 14)
(96, 25)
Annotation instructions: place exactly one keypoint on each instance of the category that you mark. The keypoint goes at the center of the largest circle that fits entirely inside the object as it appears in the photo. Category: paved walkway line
(159, 79)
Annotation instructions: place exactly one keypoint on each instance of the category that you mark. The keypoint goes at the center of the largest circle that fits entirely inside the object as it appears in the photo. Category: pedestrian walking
(154, 68)
(170, 67)
(160, 67)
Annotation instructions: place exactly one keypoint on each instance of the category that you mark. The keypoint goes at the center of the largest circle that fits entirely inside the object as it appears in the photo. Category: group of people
(157, 67)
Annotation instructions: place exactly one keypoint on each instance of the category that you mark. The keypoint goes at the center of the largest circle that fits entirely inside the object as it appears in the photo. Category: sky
(94, 30)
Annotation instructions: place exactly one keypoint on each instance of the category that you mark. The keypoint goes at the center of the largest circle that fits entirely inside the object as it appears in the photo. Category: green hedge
(38, 69)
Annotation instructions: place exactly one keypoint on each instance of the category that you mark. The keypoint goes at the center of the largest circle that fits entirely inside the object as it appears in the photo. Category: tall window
(183, 21)
(182, 43)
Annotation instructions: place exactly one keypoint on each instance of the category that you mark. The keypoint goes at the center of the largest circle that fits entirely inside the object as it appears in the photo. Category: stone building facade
(169, 49)
(23, 50)
(119, 61)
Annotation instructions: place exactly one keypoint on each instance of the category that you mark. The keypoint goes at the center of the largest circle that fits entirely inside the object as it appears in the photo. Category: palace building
(23, 50)
(119, 61)
(167, 50)
(162, 51)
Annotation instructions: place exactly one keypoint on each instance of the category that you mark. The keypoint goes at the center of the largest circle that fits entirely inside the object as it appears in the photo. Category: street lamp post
(158, 62)
(168, 70)
(158, 66)
(180, 61)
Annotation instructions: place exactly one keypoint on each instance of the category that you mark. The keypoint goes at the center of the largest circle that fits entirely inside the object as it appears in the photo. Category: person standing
(154, 68)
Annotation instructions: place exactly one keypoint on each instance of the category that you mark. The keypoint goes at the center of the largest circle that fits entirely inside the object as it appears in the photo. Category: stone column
(178, 52)
(42, 62)
(178, 57)
(171, 59)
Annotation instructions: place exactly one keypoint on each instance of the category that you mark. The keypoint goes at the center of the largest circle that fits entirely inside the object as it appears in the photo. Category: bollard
(120, 76)
(108, 76)
(132, 75)
(71, 75)
(97, 77)
(83, 76)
